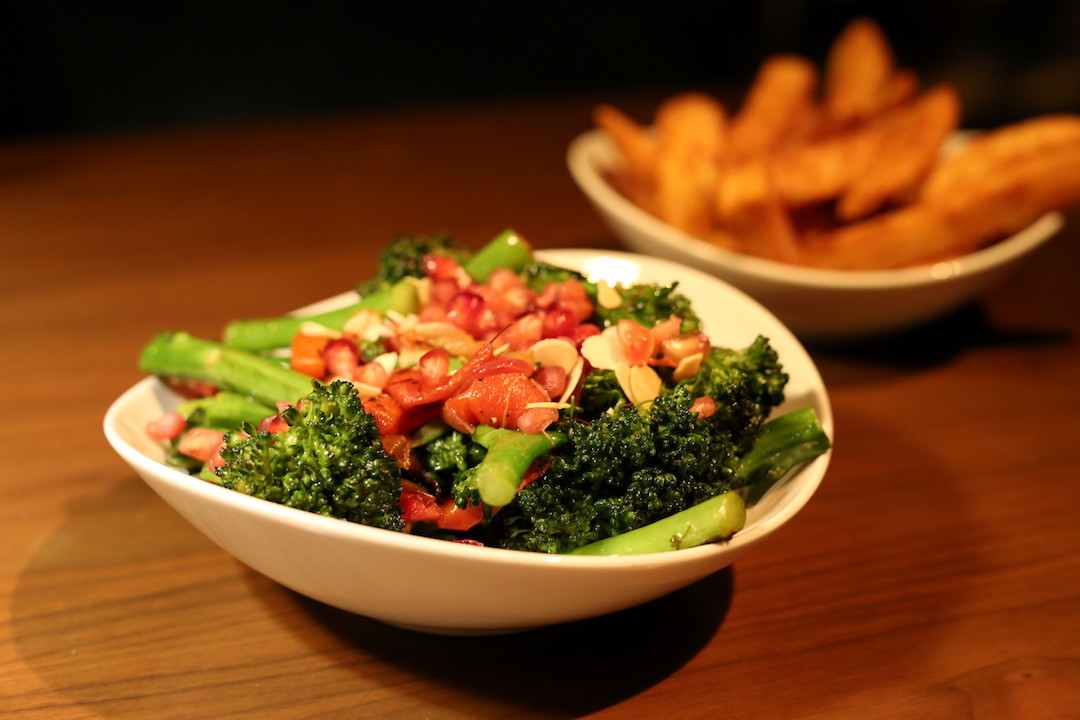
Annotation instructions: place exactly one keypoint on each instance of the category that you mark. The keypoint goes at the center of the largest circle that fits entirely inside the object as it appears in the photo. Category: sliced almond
(556, 352)
(387, 360)
(622, 374)
(572, 379)
(688, 366)
(314, 329)
(607, 296)
(365, 324)
(436, 329)
(548, 405)
(645, 385)
(366, 391)
(603, 351)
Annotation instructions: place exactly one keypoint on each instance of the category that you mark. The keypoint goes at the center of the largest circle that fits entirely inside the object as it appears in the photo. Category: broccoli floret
(626, 469)
(404, 257)
(600, 391)
(328, 461)
(448, 459)
(539, 274)
(649, 304)
(746, 385)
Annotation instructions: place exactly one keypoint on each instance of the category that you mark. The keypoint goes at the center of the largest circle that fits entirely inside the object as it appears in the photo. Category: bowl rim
(592, 151)
(810, 474)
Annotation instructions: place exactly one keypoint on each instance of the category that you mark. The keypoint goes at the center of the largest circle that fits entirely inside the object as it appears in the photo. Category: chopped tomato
(452, 517)
(637, 343)
(200, 443)
(417, 504)
(498, 401)
(166, 427)
(274, 424)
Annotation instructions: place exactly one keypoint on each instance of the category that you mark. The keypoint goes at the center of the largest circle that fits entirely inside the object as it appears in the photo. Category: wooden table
(934, 575)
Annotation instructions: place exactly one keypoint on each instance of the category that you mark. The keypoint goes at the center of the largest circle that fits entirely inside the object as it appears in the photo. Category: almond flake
(556, 352)
(607, 296)
(688, 366)
(314, 329)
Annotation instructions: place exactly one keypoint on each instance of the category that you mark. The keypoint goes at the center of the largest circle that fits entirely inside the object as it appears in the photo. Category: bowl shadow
(560, 671)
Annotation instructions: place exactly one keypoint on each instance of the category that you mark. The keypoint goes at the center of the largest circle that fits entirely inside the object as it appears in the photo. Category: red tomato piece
(200, 443)
(636, 341)
(417, 504)
(166, 427)
(498, 401)
(456, 518)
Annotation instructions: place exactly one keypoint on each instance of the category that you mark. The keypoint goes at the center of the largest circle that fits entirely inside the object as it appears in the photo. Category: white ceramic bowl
(442, 587)
(814, 303)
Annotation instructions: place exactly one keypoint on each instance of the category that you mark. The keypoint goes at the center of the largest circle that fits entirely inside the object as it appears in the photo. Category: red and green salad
(490, 398)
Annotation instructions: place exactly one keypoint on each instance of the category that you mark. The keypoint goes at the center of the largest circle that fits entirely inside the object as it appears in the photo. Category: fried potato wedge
(998, 150)
(779, 106)
(910, 145)
(858, 70)
(691, 130)
(752, 212)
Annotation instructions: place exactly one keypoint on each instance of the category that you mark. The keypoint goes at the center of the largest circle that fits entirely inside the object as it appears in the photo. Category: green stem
(273, 333)
(509, 455)
(225, 411)
(715, 519)
(264, 379)
(507, 249)
(781, 444)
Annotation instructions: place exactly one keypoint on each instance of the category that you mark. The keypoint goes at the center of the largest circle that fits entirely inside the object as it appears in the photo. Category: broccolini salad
(489, 398)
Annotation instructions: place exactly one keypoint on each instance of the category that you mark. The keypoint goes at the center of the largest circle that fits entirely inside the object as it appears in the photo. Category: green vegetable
(264, 379)
(623, 470)
(404, 257)
(391, 289)
(712, 520)
(224, 411)
(329, 461)
(509, 455)
(277, 332)
(649, 304)
(507, 250)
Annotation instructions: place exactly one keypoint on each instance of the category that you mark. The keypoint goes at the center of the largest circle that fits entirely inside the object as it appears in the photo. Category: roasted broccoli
(329, 460)
(649, 304)
(624, 467)
(404, 257)
(746, 385)
(624, 470)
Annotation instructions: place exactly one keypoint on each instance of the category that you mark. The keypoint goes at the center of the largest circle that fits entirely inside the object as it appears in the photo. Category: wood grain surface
(934, 575)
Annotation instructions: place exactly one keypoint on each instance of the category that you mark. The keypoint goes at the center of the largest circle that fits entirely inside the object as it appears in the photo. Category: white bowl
(814, 303)
(443, 587)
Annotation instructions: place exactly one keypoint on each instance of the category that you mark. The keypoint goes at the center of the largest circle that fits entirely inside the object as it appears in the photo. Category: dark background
(83, 67)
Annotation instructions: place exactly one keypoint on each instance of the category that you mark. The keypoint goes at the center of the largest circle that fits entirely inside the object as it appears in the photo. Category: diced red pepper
(417, 504)
(452, 517)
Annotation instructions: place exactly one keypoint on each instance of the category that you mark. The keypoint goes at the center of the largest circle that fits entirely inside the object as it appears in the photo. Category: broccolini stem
(264, 379)
(717, 518)
(278, 332)
(509, 455)
(781, 444)
(225, 410)
(507, 249)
